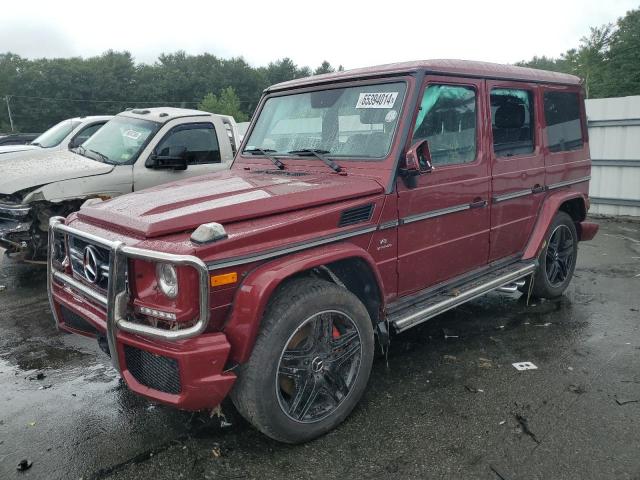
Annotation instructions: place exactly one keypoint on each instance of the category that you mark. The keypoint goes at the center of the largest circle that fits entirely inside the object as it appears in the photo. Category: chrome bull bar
(117, 298)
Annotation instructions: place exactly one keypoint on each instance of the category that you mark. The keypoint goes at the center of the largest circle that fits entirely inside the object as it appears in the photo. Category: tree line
(44, 91)
(607, 59)
(41, 92)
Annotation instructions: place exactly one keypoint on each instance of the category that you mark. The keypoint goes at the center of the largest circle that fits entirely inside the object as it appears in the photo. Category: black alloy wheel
(557, 259)
(318, 366)
(560, 258)
(310, 363)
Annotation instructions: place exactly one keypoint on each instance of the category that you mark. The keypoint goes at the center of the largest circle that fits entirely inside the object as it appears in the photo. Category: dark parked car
(17, 138)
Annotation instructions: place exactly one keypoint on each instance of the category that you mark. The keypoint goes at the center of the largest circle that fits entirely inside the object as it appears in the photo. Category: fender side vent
(356, 215)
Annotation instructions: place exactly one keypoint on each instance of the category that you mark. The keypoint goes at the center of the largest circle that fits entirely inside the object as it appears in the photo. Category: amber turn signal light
(225, 279)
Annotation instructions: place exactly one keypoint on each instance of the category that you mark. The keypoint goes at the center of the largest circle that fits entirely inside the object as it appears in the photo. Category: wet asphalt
(435, 408)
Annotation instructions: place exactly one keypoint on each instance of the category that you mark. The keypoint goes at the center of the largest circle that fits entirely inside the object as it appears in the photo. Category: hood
(17, 148)
(24, 170)
(224, 197)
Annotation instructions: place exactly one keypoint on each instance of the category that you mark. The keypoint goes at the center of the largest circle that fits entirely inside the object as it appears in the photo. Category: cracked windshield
(120, 141)
(343, 122)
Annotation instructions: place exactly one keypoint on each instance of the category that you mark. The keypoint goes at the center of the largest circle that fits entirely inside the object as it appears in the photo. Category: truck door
(444, 220)
(517, 165)
(203, 153)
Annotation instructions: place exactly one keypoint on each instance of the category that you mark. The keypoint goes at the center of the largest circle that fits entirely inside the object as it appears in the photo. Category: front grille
(153, 371)
(78, 249)
(356, 215)
(73, 320)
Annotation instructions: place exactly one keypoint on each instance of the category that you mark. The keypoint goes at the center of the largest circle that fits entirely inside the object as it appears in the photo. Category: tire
(307, 343)
(549, 281)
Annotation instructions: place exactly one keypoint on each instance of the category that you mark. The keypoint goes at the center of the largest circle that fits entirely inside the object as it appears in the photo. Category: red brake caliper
(335, 334)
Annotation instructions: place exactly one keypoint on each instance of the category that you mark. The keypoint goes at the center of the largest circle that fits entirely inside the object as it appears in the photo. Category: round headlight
(167, 279)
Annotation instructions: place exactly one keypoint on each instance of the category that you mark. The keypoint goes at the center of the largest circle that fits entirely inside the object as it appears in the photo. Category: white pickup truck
(62, 136)
(134, 150)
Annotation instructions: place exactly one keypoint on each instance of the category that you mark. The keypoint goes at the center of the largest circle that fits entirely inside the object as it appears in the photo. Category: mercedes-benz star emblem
(90, 264)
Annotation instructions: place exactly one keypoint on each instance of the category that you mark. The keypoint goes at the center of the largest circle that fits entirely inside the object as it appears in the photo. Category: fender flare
(548, 210)
(257, 288)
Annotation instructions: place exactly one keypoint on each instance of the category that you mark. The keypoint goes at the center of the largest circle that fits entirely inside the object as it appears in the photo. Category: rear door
(202, 143)
(517, 161)
(444, 221)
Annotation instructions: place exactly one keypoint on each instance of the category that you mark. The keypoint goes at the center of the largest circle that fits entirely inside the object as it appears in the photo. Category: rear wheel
(310, 364)
(557, 260)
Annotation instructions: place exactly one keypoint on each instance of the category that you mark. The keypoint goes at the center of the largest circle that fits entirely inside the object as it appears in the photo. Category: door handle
(477, 203)
(537, 188)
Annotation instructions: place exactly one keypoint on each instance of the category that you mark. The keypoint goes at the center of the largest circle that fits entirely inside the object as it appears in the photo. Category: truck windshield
(341, 122)
(120, 140)
(55, 135)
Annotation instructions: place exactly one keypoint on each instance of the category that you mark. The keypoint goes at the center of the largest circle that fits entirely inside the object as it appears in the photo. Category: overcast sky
(345, 32)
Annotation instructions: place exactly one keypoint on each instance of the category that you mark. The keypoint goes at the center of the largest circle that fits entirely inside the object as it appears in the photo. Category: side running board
(442, 301)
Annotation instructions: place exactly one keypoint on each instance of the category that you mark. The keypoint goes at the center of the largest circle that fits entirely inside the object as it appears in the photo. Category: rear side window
(562, 115)
(447, 119)
(512, 121)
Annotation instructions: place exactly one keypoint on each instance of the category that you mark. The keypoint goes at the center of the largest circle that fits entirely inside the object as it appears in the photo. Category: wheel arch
(344, 264)
(575, 204)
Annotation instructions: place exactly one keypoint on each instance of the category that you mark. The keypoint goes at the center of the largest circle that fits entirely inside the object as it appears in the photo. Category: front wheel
(557, 260)
(310, 364)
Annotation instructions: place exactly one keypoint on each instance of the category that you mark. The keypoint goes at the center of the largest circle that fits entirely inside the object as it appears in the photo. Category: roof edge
(467, 68)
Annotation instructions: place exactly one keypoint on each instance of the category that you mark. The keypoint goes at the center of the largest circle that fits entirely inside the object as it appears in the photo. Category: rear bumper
(183, 368)
(587, 230)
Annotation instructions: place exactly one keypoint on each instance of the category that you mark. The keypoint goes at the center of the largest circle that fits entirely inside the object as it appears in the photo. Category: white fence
(614, 140)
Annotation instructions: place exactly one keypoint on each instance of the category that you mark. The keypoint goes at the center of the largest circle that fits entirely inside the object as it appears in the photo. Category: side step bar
(443, 301)
(512, 287)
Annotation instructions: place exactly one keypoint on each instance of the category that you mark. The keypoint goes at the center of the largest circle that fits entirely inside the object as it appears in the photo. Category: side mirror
(417, 162)
(175, 158)
(76, 142)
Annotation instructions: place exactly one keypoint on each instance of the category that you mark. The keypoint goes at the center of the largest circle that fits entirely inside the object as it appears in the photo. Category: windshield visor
(355, 122)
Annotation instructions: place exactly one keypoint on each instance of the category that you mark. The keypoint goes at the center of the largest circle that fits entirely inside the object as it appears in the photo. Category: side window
(512, 121)
(200, 140)
(447, 119)
(562, 116)
(84, 135)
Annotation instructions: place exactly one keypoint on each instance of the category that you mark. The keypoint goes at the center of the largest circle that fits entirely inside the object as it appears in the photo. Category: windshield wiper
(266, 152)
(37, 144)
(316, 152)
(83, 151)
(102, 156)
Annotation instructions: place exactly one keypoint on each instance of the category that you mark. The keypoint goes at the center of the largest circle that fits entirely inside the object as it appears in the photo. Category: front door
(444, 220)
(202, 153)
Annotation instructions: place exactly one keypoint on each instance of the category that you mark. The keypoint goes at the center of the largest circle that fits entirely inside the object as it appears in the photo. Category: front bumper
(183, 368)
(15, 225)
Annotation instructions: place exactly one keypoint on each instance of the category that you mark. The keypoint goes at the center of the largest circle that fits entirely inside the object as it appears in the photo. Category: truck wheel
(310, 363)
(557, 260)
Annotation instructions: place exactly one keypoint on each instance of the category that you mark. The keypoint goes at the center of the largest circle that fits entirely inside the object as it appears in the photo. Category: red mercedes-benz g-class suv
(361, 203)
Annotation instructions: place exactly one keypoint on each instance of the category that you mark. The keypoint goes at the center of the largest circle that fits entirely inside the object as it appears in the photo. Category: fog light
(152, 312)
(167, 278)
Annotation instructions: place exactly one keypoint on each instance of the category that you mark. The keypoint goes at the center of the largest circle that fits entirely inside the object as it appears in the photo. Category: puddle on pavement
(35, 355)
